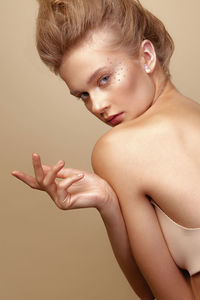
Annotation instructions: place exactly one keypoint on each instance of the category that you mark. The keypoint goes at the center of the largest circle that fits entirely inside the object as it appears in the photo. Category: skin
(79, 189)
(101, 95)
(149, 105)
(158, 128)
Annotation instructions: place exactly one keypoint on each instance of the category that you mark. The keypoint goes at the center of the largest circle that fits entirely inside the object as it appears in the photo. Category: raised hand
(72, 188)
(69, 188)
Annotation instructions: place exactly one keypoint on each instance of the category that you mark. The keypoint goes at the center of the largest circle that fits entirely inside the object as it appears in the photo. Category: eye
(104, 80)
(84, 96)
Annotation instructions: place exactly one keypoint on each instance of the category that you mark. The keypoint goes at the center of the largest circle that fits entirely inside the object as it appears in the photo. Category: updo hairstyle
(62, 24)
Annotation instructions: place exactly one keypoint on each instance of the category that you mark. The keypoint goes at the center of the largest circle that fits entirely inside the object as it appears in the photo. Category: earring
(147, 69)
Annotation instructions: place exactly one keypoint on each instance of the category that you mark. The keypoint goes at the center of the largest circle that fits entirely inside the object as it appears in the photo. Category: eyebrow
(91, 78)
(94, 75)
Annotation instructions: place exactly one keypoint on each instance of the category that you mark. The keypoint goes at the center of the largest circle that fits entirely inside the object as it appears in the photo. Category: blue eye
(84, 95)
(104, 80)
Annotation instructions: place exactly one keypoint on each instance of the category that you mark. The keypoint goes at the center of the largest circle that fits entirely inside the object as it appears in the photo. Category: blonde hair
(61, 24)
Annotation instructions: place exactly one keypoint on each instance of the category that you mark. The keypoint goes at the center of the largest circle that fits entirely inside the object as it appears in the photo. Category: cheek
(119, 75)
(138, 86)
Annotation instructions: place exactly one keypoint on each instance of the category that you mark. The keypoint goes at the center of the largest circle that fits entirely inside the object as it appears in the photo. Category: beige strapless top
(183, 243)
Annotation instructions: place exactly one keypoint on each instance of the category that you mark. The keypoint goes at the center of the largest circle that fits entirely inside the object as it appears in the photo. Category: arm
(147, 243)
(117, 233)
(78, 189)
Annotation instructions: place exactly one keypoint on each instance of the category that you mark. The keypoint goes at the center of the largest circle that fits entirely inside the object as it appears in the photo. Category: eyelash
(80, 96)
(99, 82)
(102, 78)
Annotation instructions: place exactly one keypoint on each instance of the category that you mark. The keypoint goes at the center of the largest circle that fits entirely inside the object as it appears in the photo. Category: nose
(100, 103)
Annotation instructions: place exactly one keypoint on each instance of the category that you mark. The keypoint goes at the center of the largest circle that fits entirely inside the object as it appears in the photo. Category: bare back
(160, 153)
(175, 186)
(155, 156)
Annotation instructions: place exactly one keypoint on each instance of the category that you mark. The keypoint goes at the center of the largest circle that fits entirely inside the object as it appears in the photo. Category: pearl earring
(147, 69)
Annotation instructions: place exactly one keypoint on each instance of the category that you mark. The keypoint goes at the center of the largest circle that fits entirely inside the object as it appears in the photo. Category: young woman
(114, 55)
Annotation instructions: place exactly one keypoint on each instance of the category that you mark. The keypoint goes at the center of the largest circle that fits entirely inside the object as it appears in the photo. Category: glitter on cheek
(119, 73)
(119, 70)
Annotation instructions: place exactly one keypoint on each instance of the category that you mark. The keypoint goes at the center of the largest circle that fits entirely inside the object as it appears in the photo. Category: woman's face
(112, 85)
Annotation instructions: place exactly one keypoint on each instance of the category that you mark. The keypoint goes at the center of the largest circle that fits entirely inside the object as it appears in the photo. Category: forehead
(90, 54)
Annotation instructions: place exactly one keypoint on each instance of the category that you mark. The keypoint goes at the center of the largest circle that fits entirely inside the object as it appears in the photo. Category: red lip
(115, 119)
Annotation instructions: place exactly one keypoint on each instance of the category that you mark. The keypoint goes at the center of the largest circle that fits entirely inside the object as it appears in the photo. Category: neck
(164, 88)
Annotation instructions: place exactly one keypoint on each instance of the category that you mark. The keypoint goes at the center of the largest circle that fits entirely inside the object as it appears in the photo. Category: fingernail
(60, 162)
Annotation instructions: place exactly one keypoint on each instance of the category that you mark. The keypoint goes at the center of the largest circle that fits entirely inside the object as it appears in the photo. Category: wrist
(111, 213)
(108, 202)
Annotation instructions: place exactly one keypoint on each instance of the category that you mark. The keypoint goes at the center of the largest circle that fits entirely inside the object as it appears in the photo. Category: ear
(148, 56)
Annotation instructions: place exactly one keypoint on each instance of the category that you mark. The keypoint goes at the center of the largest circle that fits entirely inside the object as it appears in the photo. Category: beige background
(48, 254)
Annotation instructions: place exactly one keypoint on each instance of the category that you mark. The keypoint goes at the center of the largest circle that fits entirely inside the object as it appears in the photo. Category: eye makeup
(102, 78)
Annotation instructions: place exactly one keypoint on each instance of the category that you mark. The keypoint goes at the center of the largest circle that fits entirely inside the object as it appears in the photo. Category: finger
(64, 185)
(39, 173)
(27, 179)
(66, 172)
(79, 200)
(46, 169)
(52, 174)
(74, 201)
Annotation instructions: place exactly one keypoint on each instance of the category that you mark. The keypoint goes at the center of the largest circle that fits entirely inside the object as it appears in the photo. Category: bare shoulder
(132, 136)
(113, 160)
(125, 151)
(156, 156)
(114, 146)
(148, 139)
